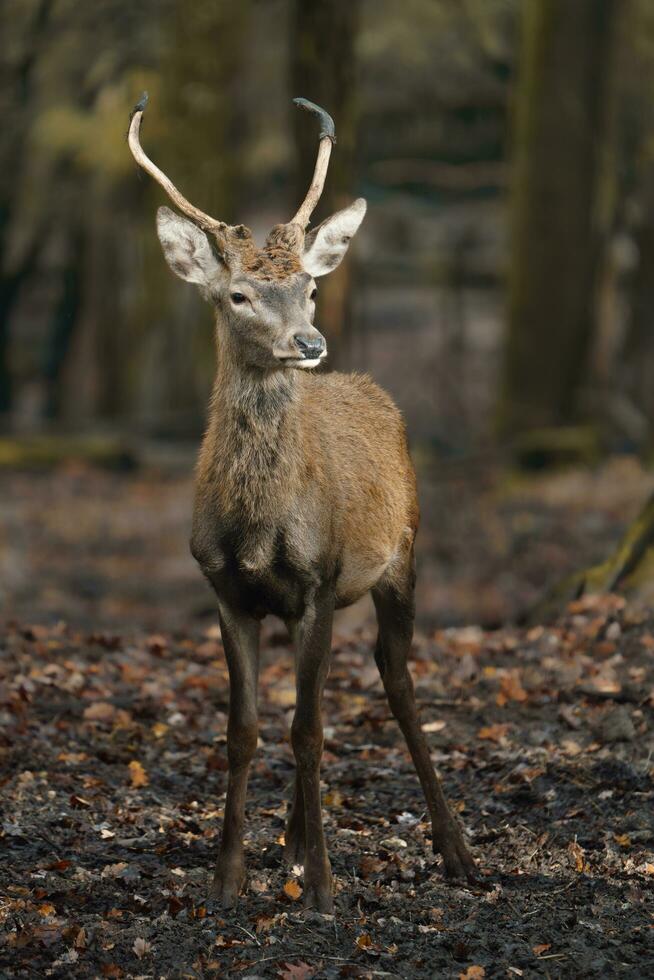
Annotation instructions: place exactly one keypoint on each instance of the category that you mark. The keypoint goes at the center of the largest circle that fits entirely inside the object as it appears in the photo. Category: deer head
(266, 296)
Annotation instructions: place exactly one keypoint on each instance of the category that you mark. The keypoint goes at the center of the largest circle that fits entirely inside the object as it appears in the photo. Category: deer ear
(187, 249)
(326, 245)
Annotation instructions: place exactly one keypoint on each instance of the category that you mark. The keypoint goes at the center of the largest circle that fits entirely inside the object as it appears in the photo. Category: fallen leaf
(494, 733)
(511, 689)
(141, 947)
(78, 802)
(570, 748)
(577, 854)
(113, 870)
(100, 711)
(138, 775)
(292, 890)
(370, 865)
(296, 971)
(434, 726)
(363, 941)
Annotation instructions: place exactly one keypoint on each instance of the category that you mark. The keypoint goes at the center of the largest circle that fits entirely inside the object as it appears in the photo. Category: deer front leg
(314, 645)
(294, 836)
(240, 635)
(395, 613)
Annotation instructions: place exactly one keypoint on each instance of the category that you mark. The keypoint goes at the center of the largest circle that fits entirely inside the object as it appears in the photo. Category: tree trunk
(561, 207)
(323, 69)
(639, 345)
(629, 569)
(17, 77)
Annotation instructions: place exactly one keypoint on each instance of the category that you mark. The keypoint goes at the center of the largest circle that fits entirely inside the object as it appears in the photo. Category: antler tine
(327, 138)
(204, 221)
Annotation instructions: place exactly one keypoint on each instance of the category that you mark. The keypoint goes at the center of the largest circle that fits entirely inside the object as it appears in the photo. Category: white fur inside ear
(327, 244)
(186, 248)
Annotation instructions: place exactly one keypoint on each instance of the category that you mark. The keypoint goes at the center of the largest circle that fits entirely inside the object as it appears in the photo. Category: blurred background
(501, 287)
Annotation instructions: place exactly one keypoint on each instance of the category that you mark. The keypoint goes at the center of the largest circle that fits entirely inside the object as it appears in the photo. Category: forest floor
(113, 761)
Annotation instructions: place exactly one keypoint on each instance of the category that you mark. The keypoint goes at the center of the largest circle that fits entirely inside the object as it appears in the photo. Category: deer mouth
(303, 363)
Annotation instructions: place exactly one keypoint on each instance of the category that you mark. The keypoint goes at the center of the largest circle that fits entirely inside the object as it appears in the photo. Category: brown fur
(339, 498)
(278, 260)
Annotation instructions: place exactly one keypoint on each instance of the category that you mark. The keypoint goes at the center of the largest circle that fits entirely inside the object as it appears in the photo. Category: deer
(305, 500)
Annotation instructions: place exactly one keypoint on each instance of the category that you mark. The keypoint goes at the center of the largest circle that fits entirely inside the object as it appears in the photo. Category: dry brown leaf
(100, 711)
(511, 689)
(577, 854)
(494, 733)
(434, 726)
(370, 865)
(141, 947)
(138, 775)
(364, 941)
(292, 890)
(296, 971)
(570, 748)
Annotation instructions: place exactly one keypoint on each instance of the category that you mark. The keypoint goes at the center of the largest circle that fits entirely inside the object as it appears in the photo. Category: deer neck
(251, 446)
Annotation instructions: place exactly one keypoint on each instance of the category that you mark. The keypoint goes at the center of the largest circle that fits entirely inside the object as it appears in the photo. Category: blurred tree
(24, 28)
(323, 69)
(561, 206)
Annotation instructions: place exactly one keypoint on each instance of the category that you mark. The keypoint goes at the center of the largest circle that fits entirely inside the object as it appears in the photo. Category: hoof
(319, 898)
(226, 885)
(459, 863)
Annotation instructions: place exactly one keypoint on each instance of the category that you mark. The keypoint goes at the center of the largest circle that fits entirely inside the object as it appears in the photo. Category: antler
(327, 138)
(204, 221)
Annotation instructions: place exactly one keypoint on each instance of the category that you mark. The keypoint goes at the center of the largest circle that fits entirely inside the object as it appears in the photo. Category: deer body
(286, 505)
(305, 500)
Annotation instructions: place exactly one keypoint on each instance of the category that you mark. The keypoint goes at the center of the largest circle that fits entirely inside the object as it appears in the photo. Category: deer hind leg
(394, 604)
(294, 837)
(241, 641)
(314, 647)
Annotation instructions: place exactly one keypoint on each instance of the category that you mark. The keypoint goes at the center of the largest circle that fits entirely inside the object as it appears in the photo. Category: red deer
(305, 501)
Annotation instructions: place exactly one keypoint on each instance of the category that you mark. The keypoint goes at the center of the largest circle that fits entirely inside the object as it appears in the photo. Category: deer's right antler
(327, 138)
(204, 221)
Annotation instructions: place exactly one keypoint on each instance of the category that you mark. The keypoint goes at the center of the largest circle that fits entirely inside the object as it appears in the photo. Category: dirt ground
(113, 761)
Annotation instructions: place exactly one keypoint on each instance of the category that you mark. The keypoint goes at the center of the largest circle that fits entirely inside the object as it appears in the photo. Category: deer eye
(313, 293)
(238, 298)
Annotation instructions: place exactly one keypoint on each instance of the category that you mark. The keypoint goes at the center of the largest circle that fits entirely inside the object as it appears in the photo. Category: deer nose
(309, 347)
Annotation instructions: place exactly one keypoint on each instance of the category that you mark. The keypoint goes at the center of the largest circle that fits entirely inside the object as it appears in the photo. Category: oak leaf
(138, 775)
(296, 971)
(292, 890)
(494, 733)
